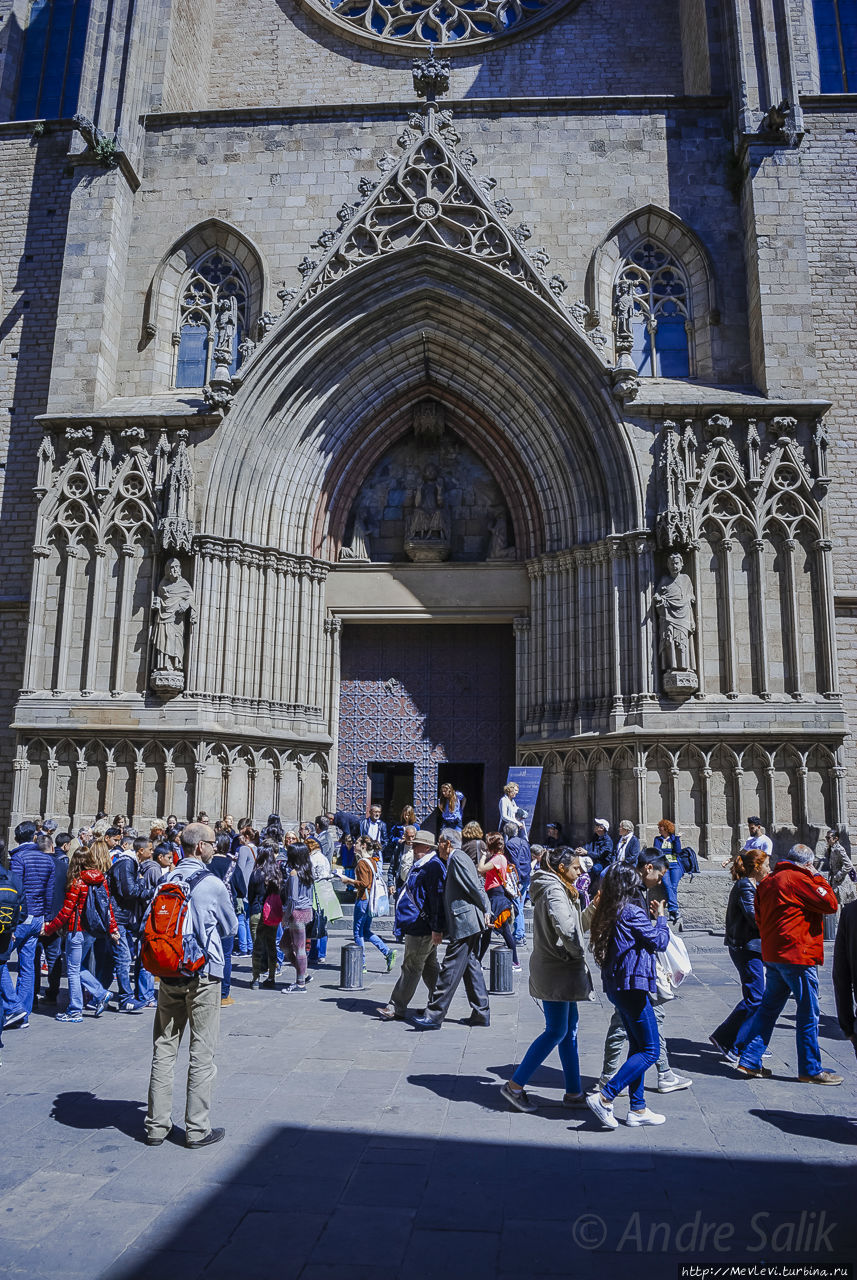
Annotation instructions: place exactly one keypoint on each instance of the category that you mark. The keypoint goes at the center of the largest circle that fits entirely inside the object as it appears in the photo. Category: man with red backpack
(182, 944)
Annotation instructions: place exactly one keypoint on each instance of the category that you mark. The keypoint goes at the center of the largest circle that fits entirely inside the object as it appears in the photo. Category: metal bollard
(351, 968)
(501, 972)
(831, 923)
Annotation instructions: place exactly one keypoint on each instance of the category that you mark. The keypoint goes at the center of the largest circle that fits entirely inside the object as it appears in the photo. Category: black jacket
(122, 882)
(742, 932)
(221, 864)
(845, 968)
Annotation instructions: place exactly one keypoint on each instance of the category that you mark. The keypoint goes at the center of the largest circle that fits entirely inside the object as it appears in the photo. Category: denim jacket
(630, 963)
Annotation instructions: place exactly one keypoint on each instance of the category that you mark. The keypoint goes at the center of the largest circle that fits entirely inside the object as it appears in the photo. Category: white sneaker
(637, 1119)
(671, 1083)
(603, 1110)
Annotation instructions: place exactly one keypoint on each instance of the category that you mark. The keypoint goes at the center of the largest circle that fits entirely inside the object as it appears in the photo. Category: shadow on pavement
(470, 1209)
(79, 1110)
(823, 1128)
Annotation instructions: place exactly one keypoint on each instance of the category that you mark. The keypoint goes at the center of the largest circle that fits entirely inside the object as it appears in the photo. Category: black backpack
(11, 909)
(95, 917)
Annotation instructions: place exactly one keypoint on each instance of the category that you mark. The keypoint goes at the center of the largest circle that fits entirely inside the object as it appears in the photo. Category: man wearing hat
(467, 911)
(420, 918)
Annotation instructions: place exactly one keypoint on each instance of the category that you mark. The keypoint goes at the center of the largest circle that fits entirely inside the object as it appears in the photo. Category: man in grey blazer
(467, 909)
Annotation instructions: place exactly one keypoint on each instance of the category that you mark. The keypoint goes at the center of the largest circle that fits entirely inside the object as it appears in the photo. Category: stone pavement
(360, 1149)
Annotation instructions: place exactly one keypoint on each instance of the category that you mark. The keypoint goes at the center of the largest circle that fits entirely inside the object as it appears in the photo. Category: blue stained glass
(52, 61)
(642, 352)
(191, 365)
(673, 355)
(836, 38)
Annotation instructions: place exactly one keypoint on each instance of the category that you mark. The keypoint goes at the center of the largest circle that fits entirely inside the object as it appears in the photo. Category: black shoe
(478, 1020)
(269, 984)
(426, 1024)
(254, 985)
(216, 1135)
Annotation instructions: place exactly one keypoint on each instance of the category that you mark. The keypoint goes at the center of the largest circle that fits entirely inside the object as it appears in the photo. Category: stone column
(110, 782)
(139, 770)
(824, 548)
(521, 628)
(20, 781)
(51, 789)
(230, 608)
(89, 674)
(761, 636)
(700, 653)
(840, 796)
(707, 841)
(125, 605)
(792, 636)
(35, 674)
(199, 773)
(648, 638)
(642, 807)
(617, 565)
(803, 800)
(169, 787)
(74, 554)
(333, 632)
(674, 774)
(729, 639)
(738, 794)
(771, 796)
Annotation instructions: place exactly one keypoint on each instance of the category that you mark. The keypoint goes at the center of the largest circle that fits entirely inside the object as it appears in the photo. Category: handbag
(677, 960)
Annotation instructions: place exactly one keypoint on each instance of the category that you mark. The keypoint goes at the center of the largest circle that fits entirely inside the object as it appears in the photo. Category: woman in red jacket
(83, 878)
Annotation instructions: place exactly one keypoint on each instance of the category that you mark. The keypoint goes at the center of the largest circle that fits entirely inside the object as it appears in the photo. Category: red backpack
(170, 949)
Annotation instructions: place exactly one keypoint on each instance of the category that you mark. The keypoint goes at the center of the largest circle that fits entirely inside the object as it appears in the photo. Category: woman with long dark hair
(745, 946)
(450, 804)
(624, 943)
(265, 895)
(494, 866)
(559, 977)
(298, 912)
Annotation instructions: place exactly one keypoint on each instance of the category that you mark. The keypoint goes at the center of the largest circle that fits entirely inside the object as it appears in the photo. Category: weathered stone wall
(570, 175)
(34, 201)
(829, 173)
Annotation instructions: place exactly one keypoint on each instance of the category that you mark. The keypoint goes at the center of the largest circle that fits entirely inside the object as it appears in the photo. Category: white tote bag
(677, 960)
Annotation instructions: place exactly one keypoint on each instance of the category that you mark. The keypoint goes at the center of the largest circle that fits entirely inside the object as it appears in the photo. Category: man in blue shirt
(34, 868)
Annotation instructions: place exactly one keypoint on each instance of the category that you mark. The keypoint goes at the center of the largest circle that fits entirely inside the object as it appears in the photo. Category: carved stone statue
(428, 534)
(674, 600)
(498, 542)
(226, 325)
(360, 546)
(172, 603)
(624, 314)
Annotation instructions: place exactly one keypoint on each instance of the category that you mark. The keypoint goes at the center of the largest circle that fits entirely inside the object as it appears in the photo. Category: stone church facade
(394, 393)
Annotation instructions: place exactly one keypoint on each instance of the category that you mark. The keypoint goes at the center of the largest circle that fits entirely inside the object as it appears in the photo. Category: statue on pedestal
(428, 533)
(172, 603)
(360, 547)
(674, 600)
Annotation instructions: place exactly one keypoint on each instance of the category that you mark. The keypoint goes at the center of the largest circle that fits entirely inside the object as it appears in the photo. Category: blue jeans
(674, 873)
(782, 981)
(317, 951)
(122, 956)
(363, 929)
(78, 948)
(20, 996)
(143, 981)
(560, 1033)
(226, 980)
(635, 1010)
(751, 971)
(245, 941)
(518, 904)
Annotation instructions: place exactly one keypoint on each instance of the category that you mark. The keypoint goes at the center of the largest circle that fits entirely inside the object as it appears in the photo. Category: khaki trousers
(198, 1003)
(420, 962)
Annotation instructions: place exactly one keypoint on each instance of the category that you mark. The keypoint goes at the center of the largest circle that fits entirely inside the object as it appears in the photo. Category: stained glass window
(52, 60)
(661, 321)
(213, 278)
(836, 37)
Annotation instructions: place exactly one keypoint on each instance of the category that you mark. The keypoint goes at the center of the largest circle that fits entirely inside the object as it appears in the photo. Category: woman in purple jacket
(624, 942)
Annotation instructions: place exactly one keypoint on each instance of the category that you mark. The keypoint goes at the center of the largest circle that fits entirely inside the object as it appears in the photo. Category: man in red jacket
(790, 905)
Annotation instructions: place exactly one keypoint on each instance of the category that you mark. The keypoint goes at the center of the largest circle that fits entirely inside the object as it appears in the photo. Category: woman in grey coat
(559, 976)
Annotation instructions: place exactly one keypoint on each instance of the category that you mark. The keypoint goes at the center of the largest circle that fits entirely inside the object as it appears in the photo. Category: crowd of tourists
(162, 914)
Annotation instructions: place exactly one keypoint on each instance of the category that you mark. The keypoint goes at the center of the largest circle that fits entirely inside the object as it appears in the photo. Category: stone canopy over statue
(172, 605)
(428, 535)
(674, 601)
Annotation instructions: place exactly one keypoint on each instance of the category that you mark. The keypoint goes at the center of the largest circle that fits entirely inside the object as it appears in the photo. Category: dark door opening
(470, 780)
(391, 786)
